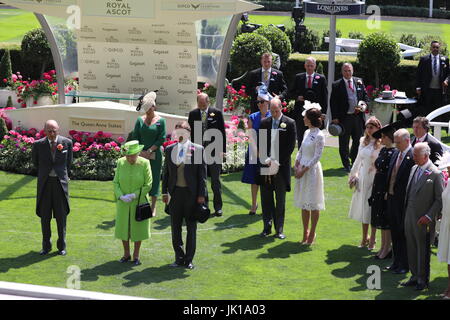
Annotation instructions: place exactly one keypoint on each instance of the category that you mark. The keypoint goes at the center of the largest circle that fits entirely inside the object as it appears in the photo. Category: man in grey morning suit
(52, 156)
(423, 202)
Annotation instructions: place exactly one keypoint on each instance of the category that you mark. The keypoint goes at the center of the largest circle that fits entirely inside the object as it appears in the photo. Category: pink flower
(206, 86)
(107, 146)
(387, 87)
(5, 81)
(120, 140)
(113, 144)
(117, 149)
(76, 149)
(14, 77)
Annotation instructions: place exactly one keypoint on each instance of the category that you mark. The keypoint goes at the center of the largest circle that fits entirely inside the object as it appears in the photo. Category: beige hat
(148, 101)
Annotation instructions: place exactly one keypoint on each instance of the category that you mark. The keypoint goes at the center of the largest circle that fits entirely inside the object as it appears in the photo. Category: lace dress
(444, 233)
(308, 193)
(364, 170)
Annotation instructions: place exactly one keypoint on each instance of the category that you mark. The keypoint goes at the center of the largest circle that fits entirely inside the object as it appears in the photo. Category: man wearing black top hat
(309, 86)
(348, 103)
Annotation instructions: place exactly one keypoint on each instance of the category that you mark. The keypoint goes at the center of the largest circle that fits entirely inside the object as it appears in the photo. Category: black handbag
(143, 211)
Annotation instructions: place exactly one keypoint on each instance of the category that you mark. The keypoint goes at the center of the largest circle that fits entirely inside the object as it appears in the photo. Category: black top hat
(390, 128)
(202, 213)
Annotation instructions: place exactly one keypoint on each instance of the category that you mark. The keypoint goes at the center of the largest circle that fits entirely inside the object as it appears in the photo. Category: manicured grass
(232, 261)
(14, 24)
(395, 28)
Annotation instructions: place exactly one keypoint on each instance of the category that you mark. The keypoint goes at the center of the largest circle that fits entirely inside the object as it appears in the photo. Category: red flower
(5, 81)
(284, 103)
(284, 110)
(24, 105)
(60, 147)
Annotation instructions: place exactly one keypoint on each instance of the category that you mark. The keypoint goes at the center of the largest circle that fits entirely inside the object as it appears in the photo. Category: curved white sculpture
(439, 125)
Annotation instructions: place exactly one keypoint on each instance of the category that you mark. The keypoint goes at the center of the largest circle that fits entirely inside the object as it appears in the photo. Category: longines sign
(334, 7)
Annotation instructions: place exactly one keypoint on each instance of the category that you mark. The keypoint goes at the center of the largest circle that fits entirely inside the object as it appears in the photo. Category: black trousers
(395, 210)
(354, 128)
(301, 128)
(273, 209)
(181, 206)
(53, 204)
(216, 186)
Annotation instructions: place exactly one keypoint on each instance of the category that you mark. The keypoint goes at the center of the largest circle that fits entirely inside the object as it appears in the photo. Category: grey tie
(418, 174)
(435, 65)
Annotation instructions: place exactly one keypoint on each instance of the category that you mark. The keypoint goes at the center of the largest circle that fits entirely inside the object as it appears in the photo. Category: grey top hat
(336, 129)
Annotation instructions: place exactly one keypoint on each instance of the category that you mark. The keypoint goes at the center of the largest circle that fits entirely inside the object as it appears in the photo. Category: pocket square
(64, 151)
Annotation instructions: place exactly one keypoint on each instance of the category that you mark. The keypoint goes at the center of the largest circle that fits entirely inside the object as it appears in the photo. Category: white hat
(308, 105)
(148, 101)
(263, 92)
(443, 161)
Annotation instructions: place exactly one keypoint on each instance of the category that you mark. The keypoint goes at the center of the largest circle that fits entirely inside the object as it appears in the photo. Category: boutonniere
(427, 172)
(442, 58)
(359, 82)
(283, 125)
(407, 157)
(317, 77)
(60, 147)
(158, 123)
(212, 114)
(274, 73)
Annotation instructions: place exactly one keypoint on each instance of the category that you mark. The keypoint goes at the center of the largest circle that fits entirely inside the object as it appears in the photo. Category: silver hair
(312, 59)
(347, 64)
(424, 148)
(276, 101)
(403, 134)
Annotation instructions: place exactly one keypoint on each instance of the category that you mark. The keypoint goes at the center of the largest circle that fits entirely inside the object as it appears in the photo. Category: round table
(395, 102)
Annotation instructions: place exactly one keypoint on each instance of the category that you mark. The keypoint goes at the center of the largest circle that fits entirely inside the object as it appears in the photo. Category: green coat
(131, 179)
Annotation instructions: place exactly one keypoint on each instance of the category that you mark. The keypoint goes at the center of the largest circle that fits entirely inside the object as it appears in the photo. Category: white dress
(308, 192)
(363, 169)
(444, 232)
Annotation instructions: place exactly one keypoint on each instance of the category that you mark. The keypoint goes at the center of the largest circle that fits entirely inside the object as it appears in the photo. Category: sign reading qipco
(136, 59)
(334, 7)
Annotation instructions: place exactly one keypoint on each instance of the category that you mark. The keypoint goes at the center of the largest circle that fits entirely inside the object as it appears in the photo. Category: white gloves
(128, 197)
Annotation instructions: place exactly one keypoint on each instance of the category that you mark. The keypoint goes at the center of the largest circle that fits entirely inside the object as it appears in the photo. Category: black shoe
(265, 233)
(218, 213)
(409, 283)
(137, 262)
(62, 252)
(347, 169)
(392, 267)
(400, 271)
(125, 259)
(44, 252)
(251, 213)
(421, 286)
(280, 236)
(189, 266)
(177, 264)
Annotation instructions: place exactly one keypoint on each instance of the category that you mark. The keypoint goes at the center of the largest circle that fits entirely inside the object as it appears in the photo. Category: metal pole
(331, 59)
(431, 9)
(57, 59)
(224, 58)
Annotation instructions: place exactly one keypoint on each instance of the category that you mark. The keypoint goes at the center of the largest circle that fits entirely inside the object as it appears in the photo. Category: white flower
(283, 125)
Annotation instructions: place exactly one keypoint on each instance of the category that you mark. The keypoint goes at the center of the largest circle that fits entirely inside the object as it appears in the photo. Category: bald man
(52, 157)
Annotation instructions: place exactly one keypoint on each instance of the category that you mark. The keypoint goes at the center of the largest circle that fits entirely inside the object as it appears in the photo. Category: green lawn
(395, 28)
(232, 261)
(14, 24)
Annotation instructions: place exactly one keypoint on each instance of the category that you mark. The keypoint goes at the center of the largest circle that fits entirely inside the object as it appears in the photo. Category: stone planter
(4, 94)
(42, 101)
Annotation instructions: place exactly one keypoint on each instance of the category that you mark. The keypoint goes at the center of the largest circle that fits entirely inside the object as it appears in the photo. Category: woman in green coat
(132, 180)
(150, 130)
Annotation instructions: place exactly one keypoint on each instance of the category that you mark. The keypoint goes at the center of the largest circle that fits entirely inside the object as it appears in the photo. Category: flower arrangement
(237, 102)
(236, 141)
(94, 154)
(374, 93)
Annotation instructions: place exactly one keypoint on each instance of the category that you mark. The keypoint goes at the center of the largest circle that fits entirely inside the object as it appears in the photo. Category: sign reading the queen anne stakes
(136, 59)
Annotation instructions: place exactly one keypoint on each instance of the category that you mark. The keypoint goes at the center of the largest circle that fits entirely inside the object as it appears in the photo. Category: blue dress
(251, 170)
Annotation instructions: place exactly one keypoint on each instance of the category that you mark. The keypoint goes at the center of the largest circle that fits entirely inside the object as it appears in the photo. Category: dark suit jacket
(318, 93)
(425, 71)
(214, 121)
(194, 173)
(287, 140)
(277, 85)
(339, 97)
(436, 148)
(43, 161)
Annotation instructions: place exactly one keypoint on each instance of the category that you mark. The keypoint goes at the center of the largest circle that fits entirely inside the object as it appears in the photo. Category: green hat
(132, 147)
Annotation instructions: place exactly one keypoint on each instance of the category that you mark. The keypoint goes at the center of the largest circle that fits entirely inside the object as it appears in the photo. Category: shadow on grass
(106, 225)
(162, 224)
(155, 275)
(284, 250)
(23, 261)
(235, 199)
(232, 177)
(236, 221)
(19, 184)
(334, 172)
(254, 242)
(110, 268)
(358, 261)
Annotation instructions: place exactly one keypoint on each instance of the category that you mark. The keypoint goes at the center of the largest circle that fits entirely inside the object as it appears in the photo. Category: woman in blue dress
(251, 163)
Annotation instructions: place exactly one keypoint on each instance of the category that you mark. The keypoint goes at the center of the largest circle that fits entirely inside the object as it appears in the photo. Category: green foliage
(5, 68)
(36, 49)
(311, 41)
(319, 68)
(356, 35)
(425, 44)
(278, 40)
(379, 53)
(246, 52)
(9, 104)
(325, 46)
(409, 39)
(3, 128)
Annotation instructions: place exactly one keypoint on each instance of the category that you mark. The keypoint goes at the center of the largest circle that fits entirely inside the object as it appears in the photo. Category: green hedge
(276, 5)
(402, 78)
(25, 69)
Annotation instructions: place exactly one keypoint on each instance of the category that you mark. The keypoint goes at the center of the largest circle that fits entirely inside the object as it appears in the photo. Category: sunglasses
(260, 101)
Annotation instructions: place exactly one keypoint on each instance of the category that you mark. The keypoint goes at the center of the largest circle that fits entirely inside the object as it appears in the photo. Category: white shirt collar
(268, 70)
(182, 146)
(312, 75)
(206, 110)
(426, 165)
(279, 119)
(50, 141)
(422, 139)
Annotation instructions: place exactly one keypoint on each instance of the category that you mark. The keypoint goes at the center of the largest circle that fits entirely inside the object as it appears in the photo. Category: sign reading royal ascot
(119, 8)
(334, 7)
